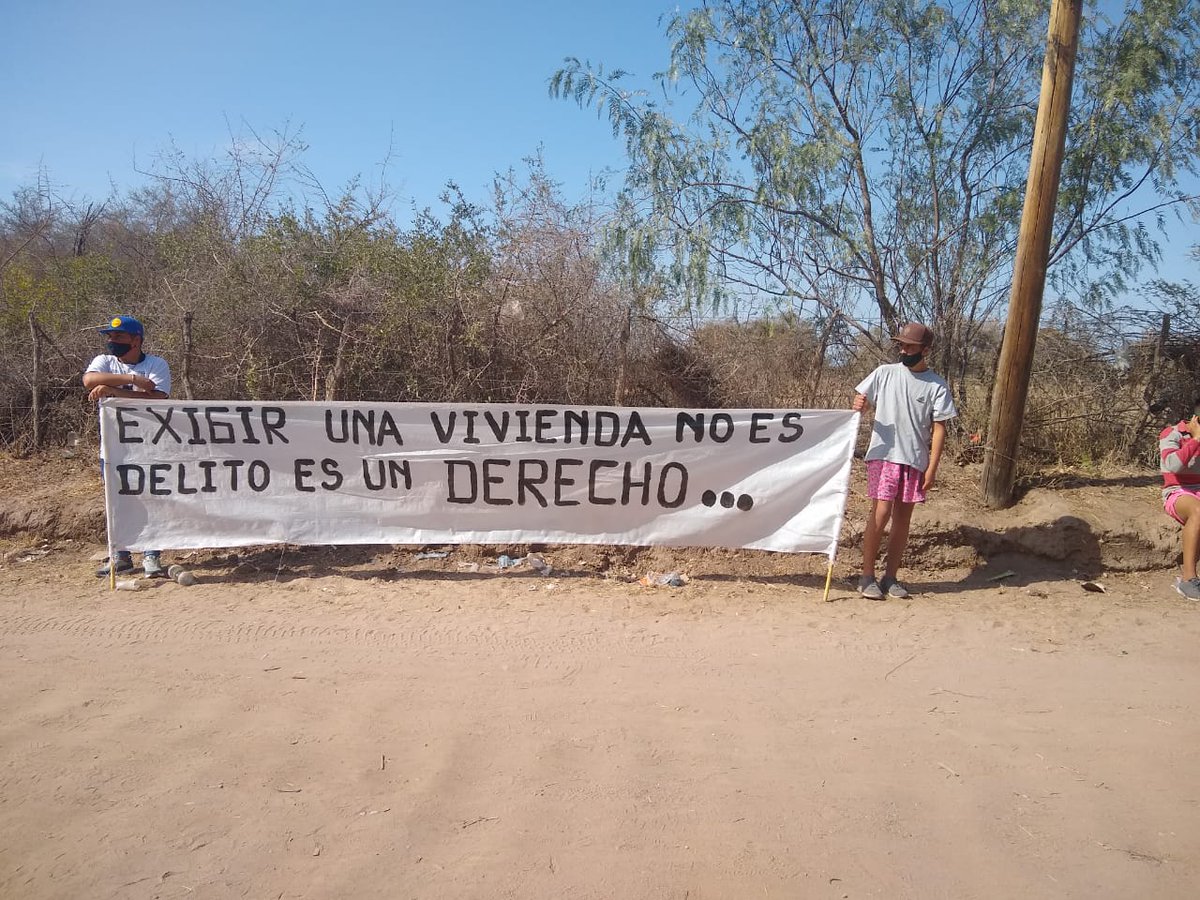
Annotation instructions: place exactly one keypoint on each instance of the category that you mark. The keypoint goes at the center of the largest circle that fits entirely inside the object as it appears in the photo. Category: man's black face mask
(116, 348)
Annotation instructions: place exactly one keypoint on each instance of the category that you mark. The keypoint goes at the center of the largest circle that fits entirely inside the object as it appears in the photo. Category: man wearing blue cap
(123, 370)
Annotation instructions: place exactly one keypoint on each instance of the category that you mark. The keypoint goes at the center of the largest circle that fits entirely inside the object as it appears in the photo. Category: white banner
(227, 474)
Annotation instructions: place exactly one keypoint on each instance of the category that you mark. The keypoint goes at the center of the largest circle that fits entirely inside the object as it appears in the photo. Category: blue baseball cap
(124, 324)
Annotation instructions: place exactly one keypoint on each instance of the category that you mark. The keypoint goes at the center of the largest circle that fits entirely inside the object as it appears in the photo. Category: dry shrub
(677, 375)
(512, 306)
(779, 363)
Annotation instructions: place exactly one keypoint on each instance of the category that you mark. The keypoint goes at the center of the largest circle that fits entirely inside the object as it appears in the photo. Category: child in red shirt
(1179, 463)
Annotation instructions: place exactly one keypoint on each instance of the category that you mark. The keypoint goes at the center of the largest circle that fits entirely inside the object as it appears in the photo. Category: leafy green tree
(866, 159)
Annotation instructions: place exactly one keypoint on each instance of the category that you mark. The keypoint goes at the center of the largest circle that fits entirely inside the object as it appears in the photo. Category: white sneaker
(152, 566)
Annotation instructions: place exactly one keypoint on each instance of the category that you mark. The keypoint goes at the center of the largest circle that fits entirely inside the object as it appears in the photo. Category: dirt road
(443, 736)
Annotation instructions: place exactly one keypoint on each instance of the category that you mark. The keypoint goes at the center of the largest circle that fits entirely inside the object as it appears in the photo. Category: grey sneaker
(1189, 588)
(152, 565)
(869, 588)
(893, 588)
(124, 564)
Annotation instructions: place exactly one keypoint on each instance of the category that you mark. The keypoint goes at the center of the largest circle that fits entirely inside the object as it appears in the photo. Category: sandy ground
(379, 733)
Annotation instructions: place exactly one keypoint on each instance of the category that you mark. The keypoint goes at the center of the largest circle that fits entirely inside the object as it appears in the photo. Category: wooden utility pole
(1011, 387)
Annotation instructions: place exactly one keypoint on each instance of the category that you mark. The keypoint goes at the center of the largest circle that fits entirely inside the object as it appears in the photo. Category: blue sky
(457, 90)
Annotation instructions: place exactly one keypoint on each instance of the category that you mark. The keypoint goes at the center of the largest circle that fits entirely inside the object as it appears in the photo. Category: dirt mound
(1091, 523)
(52, 497)
(1087, 522)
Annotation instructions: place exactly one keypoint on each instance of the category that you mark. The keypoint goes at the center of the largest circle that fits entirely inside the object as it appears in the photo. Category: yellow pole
(828, 579)
(108, 517)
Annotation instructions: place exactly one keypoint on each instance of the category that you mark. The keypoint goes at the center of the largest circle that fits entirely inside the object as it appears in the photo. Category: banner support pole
(108, 513)
(842, 516)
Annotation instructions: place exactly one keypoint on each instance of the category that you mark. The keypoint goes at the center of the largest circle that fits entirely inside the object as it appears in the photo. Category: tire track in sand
(111, 629)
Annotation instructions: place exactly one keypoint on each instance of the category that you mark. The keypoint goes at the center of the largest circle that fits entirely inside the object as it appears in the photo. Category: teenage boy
(912, 405)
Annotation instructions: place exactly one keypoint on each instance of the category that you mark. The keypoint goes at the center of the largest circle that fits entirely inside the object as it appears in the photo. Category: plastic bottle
(538, 564)
(181, 575)
(72, 448)
(670, 579)
(129, 584)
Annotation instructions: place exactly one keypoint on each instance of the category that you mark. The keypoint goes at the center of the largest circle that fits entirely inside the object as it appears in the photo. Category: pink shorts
(894, 481)
(1169, 502)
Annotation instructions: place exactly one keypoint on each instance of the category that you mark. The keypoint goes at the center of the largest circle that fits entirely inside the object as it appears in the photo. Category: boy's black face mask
(910, 359)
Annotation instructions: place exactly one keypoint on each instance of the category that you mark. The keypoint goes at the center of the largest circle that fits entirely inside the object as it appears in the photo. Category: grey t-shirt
(907, 403)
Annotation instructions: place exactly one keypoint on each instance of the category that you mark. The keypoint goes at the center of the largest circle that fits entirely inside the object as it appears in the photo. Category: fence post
(36, 401)
(187, 356)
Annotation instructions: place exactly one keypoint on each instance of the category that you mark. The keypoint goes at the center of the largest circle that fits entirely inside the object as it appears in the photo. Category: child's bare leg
(1188, 509)
(898, 537)
(881, 511)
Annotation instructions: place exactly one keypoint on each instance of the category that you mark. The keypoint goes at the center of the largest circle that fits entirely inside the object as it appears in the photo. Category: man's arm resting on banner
(103, 390)
(93, 380)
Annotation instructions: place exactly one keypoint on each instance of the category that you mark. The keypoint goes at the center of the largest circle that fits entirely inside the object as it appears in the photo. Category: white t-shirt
(907, 403)
(153, 367)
